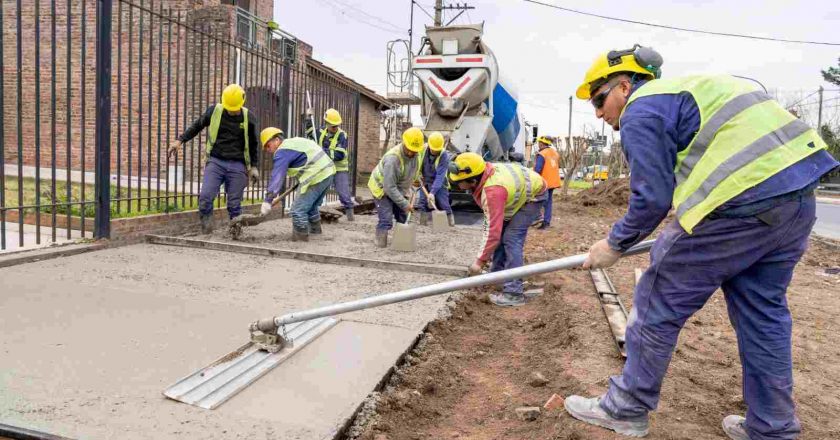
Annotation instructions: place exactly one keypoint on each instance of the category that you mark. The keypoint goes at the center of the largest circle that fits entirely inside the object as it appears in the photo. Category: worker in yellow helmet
(434, 169)
(740, 172)
(304, 159)
(511, 197)
(231, 153)
(334, 142)
(391, 181)
(547, 164)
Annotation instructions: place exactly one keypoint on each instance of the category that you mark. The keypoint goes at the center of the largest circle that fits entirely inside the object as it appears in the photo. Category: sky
(545, 52)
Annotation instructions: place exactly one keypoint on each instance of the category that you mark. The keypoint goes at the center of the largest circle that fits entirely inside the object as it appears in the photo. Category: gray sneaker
(508, 299)
(589, 411)
(734, 427)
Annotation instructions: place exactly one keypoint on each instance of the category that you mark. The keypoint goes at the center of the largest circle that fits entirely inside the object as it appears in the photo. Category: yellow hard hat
(268, 134)
(436, 141)
(642, 60)
(332, 116)
(466, 165)
(233, 98)
(413, 139)
(544, 140)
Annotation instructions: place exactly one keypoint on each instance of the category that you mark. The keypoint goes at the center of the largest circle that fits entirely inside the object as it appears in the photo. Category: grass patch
(580, 184)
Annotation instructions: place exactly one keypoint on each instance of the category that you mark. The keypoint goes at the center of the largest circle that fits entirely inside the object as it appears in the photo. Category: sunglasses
(599, 99)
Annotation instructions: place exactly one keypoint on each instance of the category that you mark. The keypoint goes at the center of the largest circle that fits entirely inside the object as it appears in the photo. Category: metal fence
(94, 92)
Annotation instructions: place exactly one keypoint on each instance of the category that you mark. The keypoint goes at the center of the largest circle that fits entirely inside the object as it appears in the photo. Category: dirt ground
(355, 239)
(471, 371)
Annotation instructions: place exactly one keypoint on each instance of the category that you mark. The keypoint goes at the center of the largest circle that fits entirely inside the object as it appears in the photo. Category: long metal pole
(102, 225)
(435, 289)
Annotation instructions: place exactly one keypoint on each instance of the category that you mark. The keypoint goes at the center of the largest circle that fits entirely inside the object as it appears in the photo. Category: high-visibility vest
(343, 164)
(318, 165)
(375, 183)
(551, 167)
(213, 131)
(437, 164)
(522, 184)
(745, 137)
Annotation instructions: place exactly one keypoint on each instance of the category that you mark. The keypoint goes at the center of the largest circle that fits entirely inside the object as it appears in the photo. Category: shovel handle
(429, 197)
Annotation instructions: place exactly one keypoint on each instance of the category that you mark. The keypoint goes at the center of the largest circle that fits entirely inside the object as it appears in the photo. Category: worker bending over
(305, 160)
(391, 181)
(231, 153)
(511, 196)
(740, 172)
(435, 167)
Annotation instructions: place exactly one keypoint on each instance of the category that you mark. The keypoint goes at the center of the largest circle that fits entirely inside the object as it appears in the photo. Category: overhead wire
(678, 28)
(359, 16)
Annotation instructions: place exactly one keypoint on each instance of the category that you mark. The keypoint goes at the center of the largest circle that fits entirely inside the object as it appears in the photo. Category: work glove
(173, 147)
(265, 208)
(432, 204)
(255, 176)
(476, 268)
(601, 256)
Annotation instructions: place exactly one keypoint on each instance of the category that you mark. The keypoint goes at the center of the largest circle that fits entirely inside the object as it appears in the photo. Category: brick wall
(370, 147)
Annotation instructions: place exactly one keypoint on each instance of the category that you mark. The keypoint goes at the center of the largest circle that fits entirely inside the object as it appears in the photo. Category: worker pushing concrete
(740, 172)
(548, 166)
(304, 159)
(231, 151)
(334, 141)
(391, 180)
(511, 197)
(435, 167)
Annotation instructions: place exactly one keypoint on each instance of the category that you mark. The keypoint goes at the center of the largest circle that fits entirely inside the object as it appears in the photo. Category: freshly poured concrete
(89, 342)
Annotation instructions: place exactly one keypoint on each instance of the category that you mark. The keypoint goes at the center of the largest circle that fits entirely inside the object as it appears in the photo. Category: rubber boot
(451, 220)
(315, 227)
(300, 234)
(424, 218)
(349, 213)
(206, 224)
(381, 239)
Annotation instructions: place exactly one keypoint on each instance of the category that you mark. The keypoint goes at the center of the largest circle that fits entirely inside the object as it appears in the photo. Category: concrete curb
(828, 200)
(33, 255)
(433, 269)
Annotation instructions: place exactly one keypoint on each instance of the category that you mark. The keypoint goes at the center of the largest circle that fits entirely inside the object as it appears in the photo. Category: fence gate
(96, 90)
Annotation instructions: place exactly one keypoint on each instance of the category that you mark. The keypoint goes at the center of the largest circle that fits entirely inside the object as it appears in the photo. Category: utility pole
(570, 121)
(819, 113)
(438, 11)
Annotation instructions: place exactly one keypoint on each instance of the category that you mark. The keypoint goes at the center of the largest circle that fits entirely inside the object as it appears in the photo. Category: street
(828, 220)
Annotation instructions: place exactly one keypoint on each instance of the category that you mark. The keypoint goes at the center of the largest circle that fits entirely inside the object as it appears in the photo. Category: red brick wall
(370, 147)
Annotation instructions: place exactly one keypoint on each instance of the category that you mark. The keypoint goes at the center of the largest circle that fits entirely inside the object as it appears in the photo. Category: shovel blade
(214, 384)
(440, 222)
(405, 237)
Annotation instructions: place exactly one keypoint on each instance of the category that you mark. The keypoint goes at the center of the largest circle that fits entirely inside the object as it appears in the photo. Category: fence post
(355, 155)
(285, 98)
(102, 227)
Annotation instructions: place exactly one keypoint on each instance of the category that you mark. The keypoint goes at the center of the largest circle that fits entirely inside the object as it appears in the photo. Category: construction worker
(304, 159)
(391, 180)
(435, 167)
(511, 197)
(548, 166)
(740, 172)
(334, 141)
(231, 151)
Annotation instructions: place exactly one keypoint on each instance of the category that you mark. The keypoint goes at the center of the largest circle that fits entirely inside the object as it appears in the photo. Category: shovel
(254, 219)
(405, 234)
(440, 222)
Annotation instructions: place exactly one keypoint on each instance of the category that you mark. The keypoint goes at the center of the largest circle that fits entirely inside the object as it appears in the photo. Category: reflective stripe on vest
(343, 164)
(213, 131)
(745, 137)
(375, 182)
(522, 185)
(318, 165)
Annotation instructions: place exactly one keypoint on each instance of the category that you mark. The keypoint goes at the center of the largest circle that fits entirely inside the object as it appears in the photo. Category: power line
(360, 14)
(810, 95)
(675, 28)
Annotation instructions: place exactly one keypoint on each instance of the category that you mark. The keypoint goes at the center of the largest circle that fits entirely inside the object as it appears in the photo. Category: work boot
(590, 411)
(734, 427)
(206, 224)
(451, 220)
(381, 239)
(315, 227)
(349, 213)
(506, 299)
(424, 218)
(300, 234)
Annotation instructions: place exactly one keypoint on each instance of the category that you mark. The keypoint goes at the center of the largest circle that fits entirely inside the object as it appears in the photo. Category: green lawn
(145, 208)
(580, 184)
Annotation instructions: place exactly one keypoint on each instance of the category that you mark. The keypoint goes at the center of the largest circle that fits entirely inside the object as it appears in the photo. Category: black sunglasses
(599, 99)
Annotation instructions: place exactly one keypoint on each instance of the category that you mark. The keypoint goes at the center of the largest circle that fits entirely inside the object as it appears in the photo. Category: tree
(571, 158)
(617, 164)
(832, 74)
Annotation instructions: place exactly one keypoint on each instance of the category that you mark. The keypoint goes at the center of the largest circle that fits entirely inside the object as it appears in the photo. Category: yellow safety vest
(343, 164)
(318, 165)
(375, 183)
(213, 131)
(522, 184)
(745, 137)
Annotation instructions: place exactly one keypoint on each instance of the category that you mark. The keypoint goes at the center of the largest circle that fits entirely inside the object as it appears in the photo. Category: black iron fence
(94, 91)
